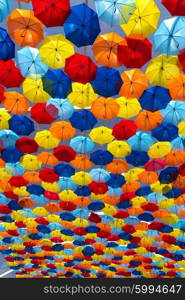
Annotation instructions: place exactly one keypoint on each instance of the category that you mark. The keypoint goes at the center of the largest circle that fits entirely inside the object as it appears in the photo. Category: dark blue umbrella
(96, 205)
(64, 169)
(21, 125)
(88, 250)
(174, 193)
(168, 175)
(107, 82)
(66, 216)
(57, 83)
(7, 46)
(11, 154)
(13, 204)
(83, 120)
(155, 98)
(116, 180)
(35, 189)
(101, 157)
(137, 158)
(146, 217)
(82, 26)
(144, 191)
(83, 191)
(165, 132)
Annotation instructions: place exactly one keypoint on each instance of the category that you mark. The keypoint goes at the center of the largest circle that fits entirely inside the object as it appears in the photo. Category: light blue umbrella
(82, 144)
(114, 192)
(115, 12)
(99, 175)
(132, 220)
(3, 199)
(16, 168)
(141, 141)
(66, 183)
(4, 9)
(174, 112)
(30, 63)
(8, 137)
(65, 109)
(169, 37)
(54, 226)
(106, 219)
(153, 197)
(81, 213)
(178, 143)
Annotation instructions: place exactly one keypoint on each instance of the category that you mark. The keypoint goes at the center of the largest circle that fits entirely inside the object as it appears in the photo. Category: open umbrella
(82, 95)
(47, 158)
(21, 125)
(83, 120)
(147, 120)
(101, 135)
(159, 150)
(26, 145)
(141, 141)
(4, 9)
(34, 90)
(15, 103)
(105, 108)
(155, 164)
(64, 153)
(175, 7)
(24, 28)
(82, 161)
(11, 154)
(65, 109)
(101, 157)
(45, 139)
(124, 129)
(8, 137)
(155, 98)
(7, 50)
(51, 12)
(129, 108)
(165, 132)
(82, 26)
(177, 87)
(137, 158)
(119, 148)
(4, 118)
(117, 166)
(174, 112)
(99, 175)
(82, 144)
(10, 75)
(44, 113)
(62, 130)
(48, 175)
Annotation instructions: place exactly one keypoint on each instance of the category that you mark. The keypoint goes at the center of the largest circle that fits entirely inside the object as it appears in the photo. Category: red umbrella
(42, 220)
(51, 195)
(51, 12)
(80, 68)
(124, 129)
(94, 218)
(10, 75)
(67, 205)
(182, 170)
(2, 97)
(4, 209)
(80, 231)
(155, 164)
(98, 188)
(134, 52)
(64, 153)
(44, 113)
(26, 145)
(175, 7)
(11, 195)
(18, 181)
(48, 175)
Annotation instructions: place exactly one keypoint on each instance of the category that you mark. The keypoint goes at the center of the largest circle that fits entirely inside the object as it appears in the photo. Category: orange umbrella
(177, 87)
(15, 103)
(161, 214)
(180, 200)
(5, 186)
(25, 28)
(81, 201)
(48, 158)
(148, 177)
(179, 182)
(148, 120)
(52, 207)
(117, 166)
(103, 226)
(175, 158)
(2, 163)
(181, 213)
(32, 177)
(131, 186)
(135, 83)
(67, 224)
(135, 211)
(105, 108)
(82, 162)
(26, 202)
(62, 130)
(110, 200)
(105, 49)
(141, 226)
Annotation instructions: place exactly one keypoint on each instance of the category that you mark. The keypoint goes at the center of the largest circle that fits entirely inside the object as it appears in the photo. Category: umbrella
(65, 109)
(165, 132)
(44, 113)
(81, 161)
(105, 50)
(26, 145)
(137, 158)
(56, 83)
(176, 87)
(148, 177)
(129, 108)
(178, 143)
(115, 12)
(34, 90)
(101, 135)
(159, 150)
(10, 75)
(82, 26)
(11, 154)
(144, 19)
(135, 83)
(45, 139)
(4, 9)
(4, 118)
(168, 38)
(155, 164)
(161, 69)
(62, 130)
(134, 51)
(24, 28)
(8, 138)
(67, 183)
(48, 175)
(105, 108)
(64, 153)
(168, 175)
(147, 120)
(174, 158)
(155, 98)
(83, 120)
(31, 176)
(98, 188)
(124, 129)
(7, 50)
(99, 175)
(64, 169)
(101, 157)
(107, 82)
(18, 181)
(15, 103)
(141, 141)
(54, 50)
(175, 7)
(51, 13)
(82, 95)
(47, 158)
(119, 148)
(21, 125)
(82, 144)
(81, 178)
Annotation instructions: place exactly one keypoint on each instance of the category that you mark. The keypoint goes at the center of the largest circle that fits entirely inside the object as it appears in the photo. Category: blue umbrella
(141, 141)
(16, 168)
(155, 98)
(83, 191)
(169, 37)
(56, 83)
(11, 154)
(144, 191)
(107, 82)
(4, 9)
(66, 183)
(96, 205)
(82, 26)
(178, 143)
(168, 175)
(174, 193)
(30, 63)
(101, 157)
(8, 137)
(65, 109)
(137, 158)
(35, 189)
(81, 213)
(7, 46)
(82, 144)
(165, 132)
(3, 200)
(21, 125)
(64, 169)
(116, 180)
(174, 112)
(99, 175)
(116, 192)
(83, 120)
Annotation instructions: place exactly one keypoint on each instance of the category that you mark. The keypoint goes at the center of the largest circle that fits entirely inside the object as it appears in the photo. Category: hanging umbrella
(141, 141)
(4, 118)
(18, 181)
(82, 144)
(64, 153)
(82, 95)
(64, 169)
(30, 64)
(105, 50)
(181, 127)
(105, 108)
(137, 158)
(54, 50)
(81, 161)
(65, 109)
(83, 120)
(174, 158)
(178, 143)
(165, 132)
(62, 130)
(11, 154)
(144, 19)
(45, 139)
(67, 183)
(148, 177)
(147, 120)
(47, 158)
(15, 103)
(168, 175)
(26, 145)
(101, 157)
(98, 188)
(159, 150)
(155, 164)
(44, 113)
(24, 28)
(134, 51)
(124, 129)
(82, 26)
(129, 108)
(4, 9)
(48, 175)
(175, 7)
(21, 125)
(32, 176)
(34, 90)
(81, 178)
(176, 87)
(8, 138)
(99, 175)
(10, 75)
(101, 135)
(7, 50)
(51, 13)
(119, 148)
(162, 69)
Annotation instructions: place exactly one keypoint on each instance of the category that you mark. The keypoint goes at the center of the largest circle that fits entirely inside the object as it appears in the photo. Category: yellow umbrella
(4, 174)
(162, 69)
(45, 139)
(81, 178)
(133, 174)
(109, 210)
(119, 148)
(138, 201)
(159, 150)
(54, 50)
(30, 162)
(67, 195)
(159, 188)
(40, 211)
(144, 19)
(181, 128)
(4, 117)
(80, 222)
(101, 135)
(82, 95)
(129, 108)
(51, 187)
(33, 90)
(21, 191)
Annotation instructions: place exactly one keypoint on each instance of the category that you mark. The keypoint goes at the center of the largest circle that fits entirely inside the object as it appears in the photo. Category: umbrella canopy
(129, 108)
(62, 130)
(119, 148)
(82, 95)
(83, 120)
(99, 175)
(47, 158)
(15, 103)
(155, 164)
(65, 109)
(34, 90)
(45, 139)
(105, 108)
(21, 125)
(44, 113)
(51, 13)
(174, 112)
(137, 158)
(165, 132)
(159, 150)
(26, 145)
(82, 22)
(24, 28)
(80, 68)
(101, 157)
(48, 175)
(82, 144)
(64, 153)
(64, 169)
(8, 138)
(81, 161)
(124, 129)
(176, 87)
(10, 75)
(141, 141)
(11, 154)
(175, 7)
(147, 120)
(4, 118)
(4, 9)
(101, 135)
(7, 50)
(155, 98)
